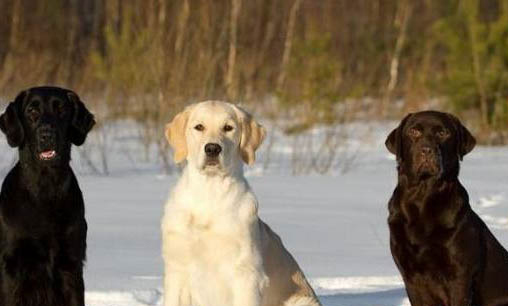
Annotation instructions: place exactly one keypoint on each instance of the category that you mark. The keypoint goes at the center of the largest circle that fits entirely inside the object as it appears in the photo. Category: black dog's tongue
(46, 155)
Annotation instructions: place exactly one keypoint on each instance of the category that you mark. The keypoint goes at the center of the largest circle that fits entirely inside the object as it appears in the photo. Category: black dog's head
(430, 144)
(44, 121)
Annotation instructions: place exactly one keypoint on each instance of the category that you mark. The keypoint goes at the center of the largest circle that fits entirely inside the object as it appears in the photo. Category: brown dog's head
(43, 122)
(430, 144)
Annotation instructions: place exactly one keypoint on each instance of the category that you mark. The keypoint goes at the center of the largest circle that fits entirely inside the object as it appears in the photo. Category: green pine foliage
(475, 48)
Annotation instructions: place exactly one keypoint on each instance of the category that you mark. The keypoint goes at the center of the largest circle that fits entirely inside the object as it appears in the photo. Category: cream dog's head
(214, 137)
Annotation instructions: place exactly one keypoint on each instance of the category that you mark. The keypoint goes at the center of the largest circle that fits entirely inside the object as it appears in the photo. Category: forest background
(298, 63)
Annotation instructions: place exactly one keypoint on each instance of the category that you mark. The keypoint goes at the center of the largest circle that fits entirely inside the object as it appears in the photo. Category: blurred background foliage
(305, 61)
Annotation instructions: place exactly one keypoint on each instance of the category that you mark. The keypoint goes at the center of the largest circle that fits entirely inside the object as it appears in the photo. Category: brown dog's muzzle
(427, 161)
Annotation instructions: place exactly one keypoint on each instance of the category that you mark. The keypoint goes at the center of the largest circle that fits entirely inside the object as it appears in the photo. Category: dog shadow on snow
(393, 297)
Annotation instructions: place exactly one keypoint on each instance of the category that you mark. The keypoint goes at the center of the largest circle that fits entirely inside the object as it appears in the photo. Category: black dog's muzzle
(46, 139)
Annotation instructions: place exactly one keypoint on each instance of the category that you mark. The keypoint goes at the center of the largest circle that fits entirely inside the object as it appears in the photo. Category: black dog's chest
(35, 219)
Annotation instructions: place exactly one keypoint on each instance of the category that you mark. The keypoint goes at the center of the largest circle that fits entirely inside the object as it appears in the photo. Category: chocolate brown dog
(446, 254)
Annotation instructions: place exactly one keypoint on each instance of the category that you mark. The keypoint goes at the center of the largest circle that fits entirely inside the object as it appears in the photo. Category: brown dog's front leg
(461, 293)
(419, 296)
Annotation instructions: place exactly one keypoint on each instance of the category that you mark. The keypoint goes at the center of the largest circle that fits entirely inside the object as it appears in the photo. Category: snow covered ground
(335, 224)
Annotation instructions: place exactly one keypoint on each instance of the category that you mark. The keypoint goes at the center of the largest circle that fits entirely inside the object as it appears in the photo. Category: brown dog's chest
(422, 229)
(419, 247)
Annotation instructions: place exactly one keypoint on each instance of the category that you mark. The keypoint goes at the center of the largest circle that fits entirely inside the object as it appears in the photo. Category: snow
(334, 224)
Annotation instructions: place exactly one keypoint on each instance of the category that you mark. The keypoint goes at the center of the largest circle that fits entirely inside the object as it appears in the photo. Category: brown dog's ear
(252, 135)
(394, 141)
(465, 141)
(10, 122)
(175, 134)
(82, 120)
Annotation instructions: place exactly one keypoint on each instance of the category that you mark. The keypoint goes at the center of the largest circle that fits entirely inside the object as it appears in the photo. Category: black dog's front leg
(28, 258)
(73, 287)
(27, 275)
(71, 266)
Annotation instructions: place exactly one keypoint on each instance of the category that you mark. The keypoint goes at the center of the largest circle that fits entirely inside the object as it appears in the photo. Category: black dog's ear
(394, 141)
(465, 141)
(82, 120)
(10, 122)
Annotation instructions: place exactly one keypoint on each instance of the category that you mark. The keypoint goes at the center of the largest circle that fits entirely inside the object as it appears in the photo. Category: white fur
(212, 246)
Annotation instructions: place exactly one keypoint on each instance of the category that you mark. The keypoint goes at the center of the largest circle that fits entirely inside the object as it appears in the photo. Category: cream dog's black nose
(212, 149)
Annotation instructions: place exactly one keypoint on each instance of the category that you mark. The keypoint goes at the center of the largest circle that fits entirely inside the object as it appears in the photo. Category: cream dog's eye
(228, 128)
(199, 127)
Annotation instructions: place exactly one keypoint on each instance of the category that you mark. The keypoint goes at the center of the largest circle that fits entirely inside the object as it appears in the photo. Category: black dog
(446, 254)
(42, 222)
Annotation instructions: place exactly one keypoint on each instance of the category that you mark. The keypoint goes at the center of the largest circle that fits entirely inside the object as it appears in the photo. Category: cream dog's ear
(175, 134)
(252, 136)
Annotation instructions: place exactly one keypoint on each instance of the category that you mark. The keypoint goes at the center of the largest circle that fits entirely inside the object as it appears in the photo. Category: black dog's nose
(426, 150)
(45, 137)
(46, 133)
(212, 149)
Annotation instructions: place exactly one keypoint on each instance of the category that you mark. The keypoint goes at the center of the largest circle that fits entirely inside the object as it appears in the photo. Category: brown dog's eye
(199, 127)
(228, 128)
(414, 133)
(443, 134)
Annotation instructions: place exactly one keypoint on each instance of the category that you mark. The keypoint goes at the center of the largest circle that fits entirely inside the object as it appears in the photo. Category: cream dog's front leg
(250, 279)
(176, 291)
(176, 284)
(246, 290)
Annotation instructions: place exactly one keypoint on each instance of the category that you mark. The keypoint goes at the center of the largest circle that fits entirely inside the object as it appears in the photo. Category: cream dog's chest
(207, 240)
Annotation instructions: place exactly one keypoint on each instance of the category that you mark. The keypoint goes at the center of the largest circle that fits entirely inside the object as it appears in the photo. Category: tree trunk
(401, 21)
(8, 67)
(233, 28)
(288, 44)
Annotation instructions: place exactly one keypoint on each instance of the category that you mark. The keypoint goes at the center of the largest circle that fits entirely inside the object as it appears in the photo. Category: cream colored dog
(216, 250)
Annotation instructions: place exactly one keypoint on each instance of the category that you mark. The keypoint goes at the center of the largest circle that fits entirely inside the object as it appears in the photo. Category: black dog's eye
(228, 128)
(32, 111)
(199, 127)
(60, 108)
(414, 133)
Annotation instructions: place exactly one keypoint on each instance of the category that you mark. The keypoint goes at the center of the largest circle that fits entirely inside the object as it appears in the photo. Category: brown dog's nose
(426, 150)
(212, 149)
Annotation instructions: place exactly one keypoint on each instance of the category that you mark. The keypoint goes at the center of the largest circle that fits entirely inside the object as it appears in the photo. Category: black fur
(42, 221)
(446, 254)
